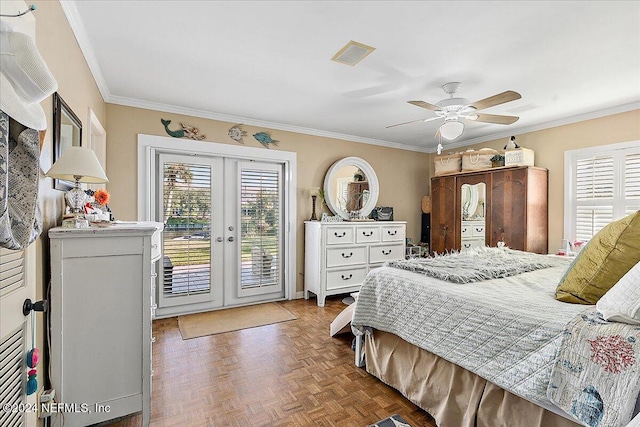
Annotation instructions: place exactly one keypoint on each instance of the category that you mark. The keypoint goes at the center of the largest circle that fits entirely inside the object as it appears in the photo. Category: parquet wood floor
(286, 374)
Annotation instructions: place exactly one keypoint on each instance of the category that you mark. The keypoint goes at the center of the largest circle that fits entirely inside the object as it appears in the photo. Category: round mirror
(351, 188)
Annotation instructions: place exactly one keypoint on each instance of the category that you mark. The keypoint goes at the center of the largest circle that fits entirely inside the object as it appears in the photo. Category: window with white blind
(602, 185)
(260, 218)
(186, 193)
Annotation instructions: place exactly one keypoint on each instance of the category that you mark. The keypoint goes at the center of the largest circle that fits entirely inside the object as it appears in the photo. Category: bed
(496, 352)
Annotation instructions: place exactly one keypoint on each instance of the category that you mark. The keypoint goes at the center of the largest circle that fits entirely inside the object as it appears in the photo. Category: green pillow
(607, 257)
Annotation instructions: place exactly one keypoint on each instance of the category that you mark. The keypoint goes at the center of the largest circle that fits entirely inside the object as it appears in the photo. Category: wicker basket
(450, 163)
(477, 160)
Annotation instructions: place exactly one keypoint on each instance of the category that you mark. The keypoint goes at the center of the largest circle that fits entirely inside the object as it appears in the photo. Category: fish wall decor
(236, 133)
(187, 131)
(265, 139)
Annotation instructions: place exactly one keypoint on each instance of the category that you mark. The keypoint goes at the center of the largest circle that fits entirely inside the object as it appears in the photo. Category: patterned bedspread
(509, 331)
(506, 330)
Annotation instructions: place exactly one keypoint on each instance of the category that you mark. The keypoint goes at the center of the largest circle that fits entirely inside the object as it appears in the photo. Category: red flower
(613, 353)
(102, 197)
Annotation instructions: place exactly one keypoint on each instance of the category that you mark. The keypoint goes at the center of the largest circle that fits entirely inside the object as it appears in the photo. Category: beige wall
(402, 174)
(76, 85)
(549, 146)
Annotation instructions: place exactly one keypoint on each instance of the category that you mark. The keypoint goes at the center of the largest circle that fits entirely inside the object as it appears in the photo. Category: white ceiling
(267, 63)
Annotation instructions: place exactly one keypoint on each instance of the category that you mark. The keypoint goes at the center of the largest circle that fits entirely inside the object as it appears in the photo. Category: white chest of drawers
(102, 283)
(338, 255)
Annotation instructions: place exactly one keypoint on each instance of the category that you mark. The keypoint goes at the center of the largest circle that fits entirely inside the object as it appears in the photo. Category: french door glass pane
(186, 195)
(260, 225)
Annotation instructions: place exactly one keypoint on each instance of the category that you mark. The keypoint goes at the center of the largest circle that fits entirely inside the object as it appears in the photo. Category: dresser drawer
(472, 243)
(393, 233)
(351, 255)
(382, 253)
(367, 234)
(345, 278)
(477, 230)
(466, 231)
(339, 235)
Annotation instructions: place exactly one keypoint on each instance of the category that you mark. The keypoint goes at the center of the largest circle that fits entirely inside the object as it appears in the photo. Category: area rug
(232, 319)
(394, 420)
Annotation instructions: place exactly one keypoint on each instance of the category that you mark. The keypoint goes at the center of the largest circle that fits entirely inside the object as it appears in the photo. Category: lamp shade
(78, 162)
(451, 129)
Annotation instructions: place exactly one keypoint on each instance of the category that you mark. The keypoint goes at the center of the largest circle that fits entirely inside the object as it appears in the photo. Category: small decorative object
(102, 197)
(511, 144)
(314, 194)
(497, 161)
(382, 213)
(426, 204)
(236, 133)
(187, 131)
(519, 157)
(265, 139)
(358, 176)
(98, 210)
(331, 218)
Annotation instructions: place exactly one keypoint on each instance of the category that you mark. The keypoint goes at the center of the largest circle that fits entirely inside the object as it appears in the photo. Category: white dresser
(338, 255)
(472, 234)
(102, 283)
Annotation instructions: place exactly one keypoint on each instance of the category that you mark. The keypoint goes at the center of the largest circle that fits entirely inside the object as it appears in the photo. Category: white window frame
(150, 145)
(618, 151)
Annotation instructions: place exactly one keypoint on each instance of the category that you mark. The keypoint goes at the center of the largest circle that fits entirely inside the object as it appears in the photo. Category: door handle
(231, 239)
(219, 239)
(28, 305)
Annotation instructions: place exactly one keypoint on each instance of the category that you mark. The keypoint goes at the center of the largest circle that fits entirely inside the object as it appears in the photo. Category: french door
(223, 237)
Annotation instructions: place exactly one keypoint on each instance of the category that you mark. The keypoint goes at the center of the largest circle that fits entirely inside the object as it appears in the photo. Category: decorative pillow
(622, 302)
(602, 263)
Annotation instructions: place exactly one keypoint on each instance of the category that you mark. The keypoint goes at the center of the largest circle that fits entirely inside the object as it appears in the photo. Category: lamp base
(75, 222)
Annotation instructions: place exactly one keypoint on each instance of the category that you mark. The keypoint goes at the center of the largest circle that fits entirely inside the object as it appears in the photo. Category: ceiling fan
(452, 109)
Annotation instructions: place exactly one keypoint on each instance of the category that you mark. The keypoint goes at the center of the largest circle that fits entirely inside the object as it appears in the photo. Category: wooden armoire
(516, 209)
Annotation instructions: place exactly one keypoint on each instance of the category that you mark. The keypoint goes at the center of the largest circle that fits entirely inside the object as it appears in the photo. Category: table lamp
(79, 165)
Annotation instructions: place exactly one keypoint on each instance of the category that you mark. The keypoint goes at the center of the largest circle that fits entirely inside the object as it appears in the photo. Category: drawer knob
(347, 277)
(478, 229)
(467, 245)
(335, 233)
(386, 252)
(347, 256)
(369, 234)
(464, 230)
(154, 246)
(392, 233)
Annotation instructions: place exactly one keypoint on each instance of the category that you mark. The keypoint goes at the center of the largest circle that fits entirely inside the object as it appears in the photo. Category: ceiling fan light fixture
(451, 129)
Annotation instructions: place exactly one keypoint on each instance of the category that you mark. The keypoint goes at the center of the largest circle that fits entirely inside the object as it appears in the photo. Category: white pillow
(621, 303)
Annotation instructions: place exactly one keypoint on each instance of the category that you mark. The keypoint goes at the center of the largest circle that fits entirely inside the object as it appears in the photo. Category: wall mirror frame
(67, 132)
(334, 182)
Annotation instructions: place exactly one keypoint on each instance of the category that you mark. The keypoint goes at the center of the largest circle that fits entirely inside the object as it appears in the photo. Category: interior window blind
(187, 236)
(11, 270)
(260, 207)
(606, 187)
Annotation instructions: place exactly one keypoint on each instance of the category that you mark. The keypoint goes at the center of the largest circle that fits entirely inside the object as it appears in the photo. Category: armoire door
(443, 215)
(509, 208)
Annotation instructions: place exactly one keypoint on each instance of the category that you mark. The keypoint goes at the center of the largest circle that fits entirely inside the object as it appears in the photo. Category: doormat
(394, 420)
(232, 319)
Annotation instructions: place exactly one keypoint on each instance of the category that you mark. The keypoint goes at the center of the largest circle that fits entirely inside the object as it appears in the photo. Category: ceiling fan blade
(495, 118)
(498, 99)
(406, 123)
(425, 105)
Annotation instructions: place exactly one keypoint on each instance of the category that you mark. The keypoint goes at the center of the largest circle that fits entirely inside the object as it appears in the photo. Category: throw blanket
(477, 264)
(597, 371)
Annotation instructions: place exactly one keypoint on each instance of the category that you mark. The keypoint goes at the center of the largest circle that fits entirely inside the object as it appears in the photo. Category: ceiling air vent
(352, 53)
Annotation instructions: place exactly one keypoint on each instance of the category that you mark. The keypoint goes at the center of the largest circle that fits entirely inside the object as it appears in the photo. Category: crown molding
(77, 26)
(541, 126)
(167, 108)
(79, 31)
